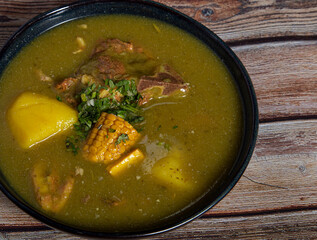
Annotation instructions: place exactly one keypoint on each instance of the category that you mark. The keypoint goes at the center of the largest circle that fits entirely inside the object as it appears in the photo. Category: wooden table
(277, 196)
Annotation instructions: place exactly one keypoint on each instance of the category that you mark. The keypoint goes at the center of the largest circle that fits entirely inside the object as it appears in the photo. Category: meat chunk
(66, 84)
(110, 67)
(111, 59)
(102, 66)
(114, 46)
(164, 83)
(50, 193)
(68, 89)
(117, 60)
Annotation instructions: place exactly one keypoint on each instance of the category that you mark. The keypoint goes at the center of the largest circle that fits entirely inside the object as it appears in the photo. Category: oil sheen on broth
(203, 128)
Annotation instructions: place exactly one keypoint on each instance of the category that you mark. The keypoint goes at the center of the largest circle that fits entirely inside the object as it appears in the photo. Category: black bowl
(53, 18)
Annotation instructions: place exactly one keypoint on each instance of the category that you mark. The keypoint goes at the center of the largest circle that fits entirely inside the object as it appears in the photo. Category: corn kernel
(93, 135)
(122, 149)
(112, 117)
(93, 149)
(108, 123)
(102, 133)
(113, 135)
(125, 130)
(105, 145)
(119, 124)
(114, 127)
(97, 143)
(107, 155)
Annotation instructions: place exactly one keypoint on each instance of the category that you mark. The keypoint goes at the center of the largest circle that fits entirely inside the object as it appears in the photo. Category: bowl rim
(10, 193)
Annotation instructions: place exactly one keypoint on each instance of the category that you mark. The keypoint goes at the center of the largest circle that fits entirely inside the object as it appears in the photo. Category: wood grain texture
(238, 20)
(12, 217)
(294, 225)
(282, 174)
(235, 20)
(284, 75)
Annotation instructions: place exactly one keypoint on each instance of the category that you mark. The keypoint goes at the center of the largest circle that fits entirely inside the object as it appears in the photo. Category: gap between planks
(297, 225)
(283, 39)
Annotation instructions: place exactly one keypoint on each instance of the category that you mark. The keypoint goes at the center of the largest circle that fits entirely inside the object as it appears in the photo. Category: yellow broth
(208, 120)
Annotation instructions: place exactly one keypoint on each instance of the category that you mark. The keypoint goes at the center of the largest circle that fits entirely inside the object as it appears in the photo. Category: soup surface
(200, 129)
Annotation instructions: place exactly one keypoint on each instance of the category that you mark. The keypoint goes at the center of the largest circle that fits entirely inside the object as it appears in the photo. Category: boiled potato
(33, 118)
(170, 171)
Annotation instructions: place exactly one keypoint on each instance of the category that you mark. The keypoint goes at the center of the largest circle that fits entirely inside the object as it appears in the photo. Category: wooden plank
(242, 20)
(282, 174)
(284, 159)
(284, 75)
(11, 216)
(291, 225)
(255, 19)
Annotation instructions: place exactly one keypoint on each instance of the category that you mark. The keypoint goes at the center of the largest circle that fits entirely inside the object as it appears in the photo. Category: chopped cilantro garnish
(123, 137)
(59, 98)
(111, 130)
(72, 144)
(174, 127)
(111, 84)
(83, 97)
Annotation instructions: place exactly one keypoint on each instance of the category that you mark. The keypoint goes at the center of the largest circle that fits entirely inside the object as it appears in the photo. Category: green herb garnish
(122, 100)
(59, 98)
(123, 137)
(174, 127)
(72, 144)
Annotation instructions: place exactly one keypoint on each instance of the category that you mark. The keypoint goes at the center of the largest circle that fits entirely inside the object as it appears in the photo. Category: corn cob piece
(134, 157)
(110, 138)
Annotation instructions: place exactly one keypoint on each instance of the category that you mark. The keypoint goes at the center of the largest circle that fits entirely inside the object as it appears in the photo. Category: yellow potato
(33, 118)
(170, 172)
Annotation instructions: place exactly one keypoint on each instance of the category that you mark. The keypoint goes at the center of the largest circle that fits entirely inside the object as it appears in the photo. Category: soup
(171, 130)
